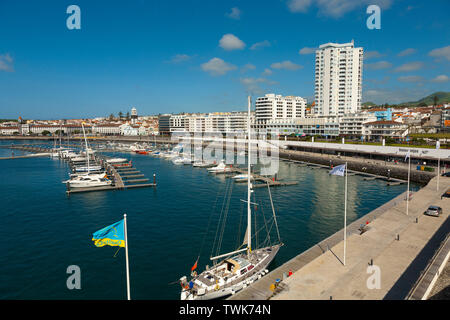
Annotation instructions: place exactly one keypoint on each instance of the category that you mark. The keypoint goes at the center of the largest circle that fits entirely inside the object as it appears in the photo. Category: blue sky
(203, 56)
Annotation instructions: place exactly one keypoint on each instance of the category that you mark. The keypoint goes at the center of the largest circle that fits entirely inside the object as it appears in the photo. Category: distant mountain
(442, 97)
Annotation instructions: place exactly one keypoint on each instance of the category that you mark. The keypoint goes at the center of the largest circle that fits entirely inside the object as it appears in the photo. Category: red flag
(194, 266)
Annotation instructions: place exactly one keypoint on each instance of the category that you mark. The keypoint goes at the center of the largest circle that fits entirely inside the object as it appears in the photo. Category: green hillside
(443, 97)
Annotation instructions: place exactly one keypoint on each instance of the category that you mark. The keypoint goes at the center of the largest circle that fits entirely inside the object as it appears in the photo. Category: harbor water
(44, 231)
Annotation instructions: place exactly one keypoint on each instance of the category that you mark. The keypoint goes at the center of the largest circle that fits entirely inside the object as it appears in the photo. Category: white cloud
(299, 5)
(234, 14)
(407, 52)
(6, 63)
(217, 67)
(372, 54)
(247, 67)
(441, 78)
(286, 65)
(262, 44)
(178, 58)
(411, 66)
(410, 78)
(307, 50)
(440, 53)
(252, 85)
(267, 72)
(334, 8)
(377, 65)
(231, 42)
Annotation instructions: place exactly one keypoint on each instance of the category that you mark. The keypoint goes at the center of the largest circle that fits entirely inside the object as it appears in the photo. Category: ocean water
(44, 231)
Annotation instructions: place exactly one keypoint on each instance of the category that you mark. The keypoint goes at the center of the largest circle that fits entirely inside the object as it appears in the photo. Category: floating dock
(259, 180)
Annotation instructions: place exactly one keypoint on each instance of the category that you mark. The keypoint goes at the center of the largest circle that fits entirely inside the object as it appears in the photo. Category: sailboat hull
(263, 258)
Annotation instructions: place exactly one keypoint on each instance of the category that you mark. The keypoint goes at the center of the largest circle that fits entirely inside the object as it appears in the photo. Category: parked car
(434, 211)
(446, 194)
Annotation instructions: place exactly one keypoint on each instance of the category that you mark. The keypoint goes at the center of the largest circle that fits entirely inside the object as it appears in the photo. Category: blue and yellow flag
(112, 235)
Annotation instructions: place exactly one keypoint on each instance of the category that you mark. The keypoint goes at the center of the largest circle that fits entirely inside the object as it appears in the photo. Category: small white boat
(78, 159)
(220, 168)
(241, 177)
(88, 181)
(88, 174)
(88, 168)
(117, 160)
(178, 160)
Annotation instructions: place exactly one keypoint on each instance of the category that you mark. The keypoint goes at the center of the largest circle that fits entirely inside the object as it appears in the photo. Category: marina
(302, 222)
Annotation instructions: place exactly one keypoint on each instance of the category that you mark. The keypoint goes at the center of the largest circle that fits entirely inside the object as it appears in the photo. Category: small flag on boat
(194, 266)
(407, 155)
(338, 171)
(112, 235)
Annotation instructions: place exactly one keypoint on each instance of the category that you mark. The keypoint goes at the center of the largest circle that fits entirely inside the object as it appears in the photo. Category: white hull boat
(86, 182)
(117, 160)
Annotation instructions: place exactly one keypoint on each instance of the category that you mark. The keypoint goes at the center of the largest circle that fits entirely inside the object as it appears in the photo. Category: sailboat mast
(85, 141)
(249, 186)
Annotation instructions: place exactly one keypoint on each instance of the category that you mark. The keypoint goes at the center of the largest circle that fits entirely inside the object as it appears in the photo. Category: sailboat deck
(256, 257)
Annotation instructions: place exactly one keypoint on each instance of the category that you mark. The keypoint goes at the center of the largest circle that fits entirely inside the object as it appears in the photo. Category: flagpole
(126, 255)
(438, 171)
(345, 213)
(407, 192)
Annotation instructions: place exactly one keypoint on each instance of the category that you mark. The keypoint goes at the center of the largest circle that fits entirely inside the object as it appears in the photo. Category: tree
(45, 133)
(111, 117)
(120, 115)
(435, 100)
(128, 116)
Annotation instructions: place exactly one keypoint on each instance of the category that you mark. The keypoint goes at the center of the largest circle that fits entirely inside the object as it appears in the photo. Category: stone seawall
(399, 171)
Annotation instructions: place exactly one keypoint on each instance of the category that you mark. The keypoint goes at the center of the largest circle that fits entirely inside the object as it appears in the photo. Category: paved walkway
(400, 261)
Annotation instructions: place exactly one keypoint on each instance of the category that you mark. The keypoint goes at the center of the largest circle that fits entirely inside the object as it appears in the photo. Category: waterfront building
(312, 126)
(338, 79)
(178, 123)
(377, 130)
(127, 129)
(9, 130)
(352, 125)
(164, 124)
(272, 107)
(106, 129)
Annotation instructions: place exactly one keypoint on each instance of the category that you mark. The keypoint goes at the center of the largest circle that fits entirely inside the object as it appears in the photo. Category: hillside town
(336, 112)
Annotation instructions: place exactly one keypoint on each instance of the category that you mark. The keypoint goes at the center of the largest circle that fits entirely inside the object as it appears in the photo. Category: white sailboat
(85, 181)
(238, 268)
(86, 178)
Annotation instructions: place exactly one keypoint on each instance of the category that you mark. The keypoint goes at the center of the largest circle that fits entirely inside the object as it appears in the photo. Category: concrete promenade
(319, 273)
(399, 260)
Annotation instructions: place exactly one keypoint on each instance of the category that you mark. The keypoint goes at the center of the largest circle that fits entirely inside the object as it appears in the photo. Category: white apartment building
(323, 126)
(338, 78)
(222, 122)
(353, 124)
(272, 107)
(106, 129)
(178, 123)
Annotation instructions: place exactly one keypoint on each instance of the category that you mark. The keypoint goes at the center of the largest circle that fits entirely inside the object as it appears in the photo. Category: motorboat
(117, 160)
(221, 167)
(88, 168)
(241, 177)
(86, 181)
